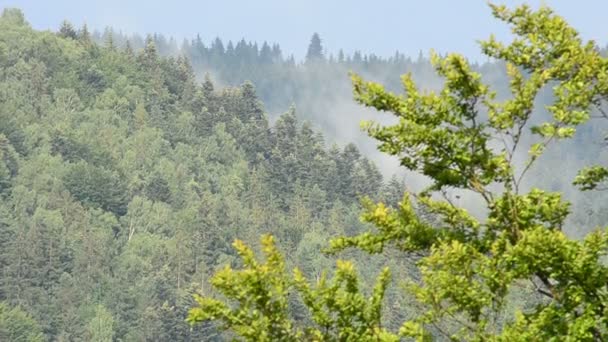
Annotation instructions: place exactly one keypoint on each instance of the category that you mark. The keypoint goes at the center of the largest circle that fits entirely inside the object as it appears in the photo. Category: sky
(379, 26)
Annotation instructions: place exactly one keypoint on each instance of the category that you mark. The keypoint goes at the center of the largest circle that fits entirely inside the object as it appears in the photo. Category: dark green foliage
(8, 164)
(366, 179)
(74, 151)
(67, 30)
(392, 192)
(97, 187)
(315, 50)
(158, 189)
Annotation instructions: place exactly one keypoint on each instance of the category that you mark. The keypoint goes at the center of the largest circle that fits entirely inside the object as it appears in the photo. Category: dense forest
(124, 181)
(320, 89)
(129, 166)
(318, 85)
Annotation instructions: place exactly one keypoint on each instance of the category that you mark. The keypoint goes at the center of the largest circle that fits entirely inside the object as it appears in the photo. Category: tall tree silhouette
(315, 49)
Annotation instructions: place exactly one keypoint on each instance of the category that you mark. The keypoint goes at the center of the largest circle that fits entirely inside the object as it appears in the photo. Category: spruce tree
(315, 49)
(66, 30)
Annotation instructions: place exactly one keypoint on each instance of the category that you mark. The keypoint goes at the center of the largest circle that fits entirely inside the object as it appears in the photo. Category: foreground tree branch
(471, 265)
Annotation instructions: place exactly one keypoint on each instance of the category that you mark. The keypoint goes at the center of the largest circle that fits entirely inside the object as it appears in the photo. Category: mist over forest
(319, 88)
(129, 165)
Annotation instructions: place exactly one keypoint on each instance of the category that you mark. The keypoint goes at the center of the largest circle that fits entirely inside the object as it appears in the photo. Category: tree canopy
(315, 49)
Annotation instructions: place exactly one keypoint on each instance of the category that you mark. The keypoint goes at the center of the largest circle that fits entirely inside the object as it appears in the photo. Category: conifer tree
(315, 49)
(84, 36)
(66, 30)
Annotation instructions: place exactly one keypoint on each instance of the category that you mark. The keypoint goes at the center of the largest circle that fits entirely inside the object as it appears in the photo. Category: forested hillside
(129, 166)
(318, 85)
(124, 181)
(320, 88)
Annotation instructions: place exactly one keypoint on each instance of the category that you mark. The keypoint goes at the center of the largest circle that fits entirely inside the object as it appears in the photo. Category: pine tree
(108, 37)
(129, 49)
(346, 163)
(66, 30)
(84, 36)
(283, 159)
(8, 165)
(392, 192)
(208, 87)
(149, 56)
(256, 140)
(315, 49)
(266, 54)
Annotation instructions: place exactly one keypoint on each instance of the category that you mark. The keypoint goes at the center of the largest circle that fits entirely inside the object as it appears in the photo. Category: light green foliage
(401, 226)
(260, 291)
(441, 134)
(16, 325)
(100, 327)
(339, 310)
(471, 268)
(590, 177)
